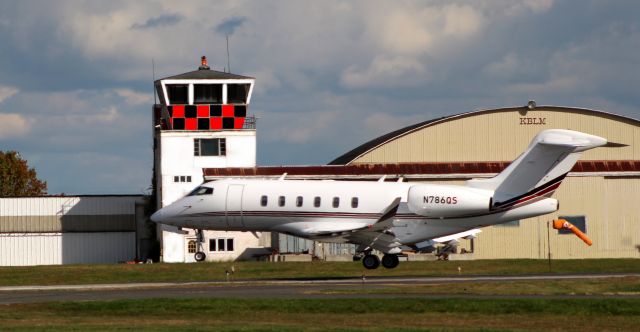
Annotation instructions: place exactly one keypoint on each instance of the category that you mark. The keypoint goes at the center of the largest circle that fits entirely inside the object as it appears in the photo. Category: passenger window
(263, 200)
(316, 201)
(281, 201)
(336, 202)
(299, 201)
(354, 202)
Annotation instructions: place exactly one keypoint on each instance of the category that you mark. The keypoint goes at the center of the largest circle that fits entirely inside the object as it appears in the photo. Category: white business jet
(385, 216)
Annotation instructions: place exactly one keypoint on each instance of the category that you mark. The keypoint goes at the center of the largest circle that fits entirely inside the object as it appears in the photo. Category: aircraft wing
(375, 236)
(466, 234)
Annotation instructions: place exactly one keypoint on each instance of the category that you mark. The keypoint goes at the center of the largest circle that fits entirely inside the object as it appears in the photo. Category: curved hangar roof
(494, 135)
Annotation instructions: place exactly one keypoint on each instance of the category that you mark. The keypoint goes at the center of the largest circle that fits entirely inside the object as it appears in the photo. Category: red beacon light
(203, 63)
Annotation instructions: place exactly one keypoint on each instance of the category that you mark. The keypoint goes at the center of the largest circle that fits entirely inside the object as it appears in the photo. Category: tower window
(178, 93)
(210, 147)
(237, 93)
(182, 178)
(207, 93)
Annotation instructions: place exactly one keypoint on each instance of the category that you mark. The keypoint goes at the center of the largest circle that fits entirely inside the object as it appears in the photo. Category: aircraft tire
(199, 256)
(390, 261)
(371, 262)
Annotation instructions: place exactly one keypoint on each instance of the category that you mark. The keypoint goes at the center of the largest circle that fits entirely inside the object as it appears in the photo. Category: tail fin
(541, 168)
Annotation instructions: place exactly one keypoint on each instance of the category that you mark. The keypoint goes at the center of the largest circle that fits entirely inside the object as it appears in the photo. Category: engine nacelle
(437, 201)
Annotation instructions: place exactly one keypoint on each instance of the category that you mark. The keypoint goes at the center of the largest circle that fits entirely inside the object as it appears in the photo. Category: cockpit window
(201, 191)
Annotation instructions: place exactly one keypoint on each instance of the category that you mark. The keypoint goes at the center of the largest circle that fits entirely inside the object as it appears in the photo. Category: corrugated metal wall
(66, 248)
(67, 230)
(75, 205)
(68, 214)
(499, 136)
(68, 223)
(612, 222)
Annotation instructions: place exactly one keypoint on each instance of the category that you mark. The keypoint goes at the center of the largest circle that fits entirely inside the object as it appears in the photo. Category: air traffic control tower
(200, 122)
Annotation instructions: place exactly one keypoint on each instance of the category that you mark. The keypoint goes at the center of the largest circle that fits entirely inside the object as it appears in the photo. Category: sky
(76, 76)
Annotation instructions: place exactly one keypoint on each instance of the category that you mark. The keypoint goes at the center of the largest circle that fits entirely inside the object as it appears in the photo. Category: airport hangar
(600, 194)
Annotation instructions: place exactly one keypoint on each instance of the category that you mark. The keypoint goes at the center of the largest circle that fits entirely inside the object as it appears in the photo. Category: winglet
(386, 219)
(281, 178)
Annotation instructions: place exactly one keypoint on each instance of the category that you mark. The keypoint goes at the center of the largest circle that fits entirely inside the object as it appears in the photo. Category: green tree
(17, 179)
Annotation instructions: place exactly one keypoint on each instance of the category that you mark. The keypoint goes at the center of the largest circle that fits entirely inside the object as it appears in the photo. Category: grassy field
(122, 273)
(326, 315)
(356, 314)
(600, 286)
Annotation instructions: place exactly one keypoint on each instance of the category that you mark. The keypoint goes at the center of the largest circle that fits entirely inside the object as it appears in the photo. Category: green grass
(326, 315)
(623, 286)
(122, 273)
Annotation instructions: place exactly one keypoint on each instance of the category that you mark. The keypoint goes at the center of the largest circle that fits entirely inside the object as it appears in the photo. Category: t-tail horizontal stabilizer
(541, 168)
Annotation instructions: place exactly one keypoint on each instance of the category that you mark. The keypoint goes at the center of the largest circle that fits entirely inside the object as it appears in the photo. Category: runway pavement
(305, 288)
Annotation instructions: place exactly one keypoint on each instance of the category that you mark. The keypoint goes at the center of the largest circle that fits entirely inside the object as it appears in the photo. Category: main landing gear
(372, 262)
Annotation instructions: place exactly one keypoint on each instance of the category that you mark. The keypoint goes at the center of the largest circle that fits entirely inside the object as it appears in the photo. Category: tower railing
(249, 122)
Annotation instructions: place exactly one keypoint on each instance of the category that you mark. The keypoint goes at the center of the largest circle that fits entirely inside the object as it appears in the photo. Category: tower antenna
(228, 63)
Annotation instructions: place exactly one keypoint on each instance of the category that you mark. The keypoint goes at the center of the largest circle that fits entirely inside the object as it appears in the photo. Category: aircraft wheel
(199, 256)
(390, 261)
(371, 262)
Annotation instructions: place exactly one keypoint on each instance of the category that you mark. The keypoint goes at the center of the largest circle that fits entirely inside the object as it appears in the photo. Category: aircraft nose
(157, 216)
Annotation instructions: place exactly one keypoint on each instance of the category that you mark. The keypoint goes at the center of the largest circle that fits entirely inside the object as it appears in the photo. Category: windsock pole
(561, 223)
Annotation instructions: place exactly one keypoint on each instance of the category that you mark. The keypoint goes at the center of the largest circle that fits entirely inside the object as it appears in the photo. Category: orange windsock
(561, 223)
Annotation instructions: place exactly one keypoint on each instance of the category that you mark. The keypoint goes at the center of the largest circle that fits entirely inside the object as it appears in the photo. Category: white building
(201, 122)
(71, 230)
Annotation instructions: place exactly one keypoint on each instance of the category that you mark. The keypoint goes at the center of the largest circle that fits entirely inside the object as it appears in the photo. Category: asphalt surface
(316, 288)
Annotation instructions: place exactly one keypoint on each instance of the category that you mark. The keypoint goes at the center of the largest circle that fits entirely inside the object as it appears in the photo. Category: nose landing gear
(199, 256)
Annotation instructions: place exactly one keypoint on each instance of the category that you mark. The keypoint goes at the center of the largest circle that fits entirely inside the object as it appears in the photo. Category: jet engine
(440, 201)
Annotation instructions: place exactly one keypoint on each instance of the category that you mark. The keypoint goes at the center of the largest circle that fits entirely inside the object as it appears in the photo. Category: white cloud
(404, 32)
(13, 125)
(330, 75)
(385, 71)
(510, 8)
(416, 30)
(555, 85)
(133, 97)
(299, 128)
(267, 80)
(108, 115)
(461, 21)
(6, 92)
(505, 67)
